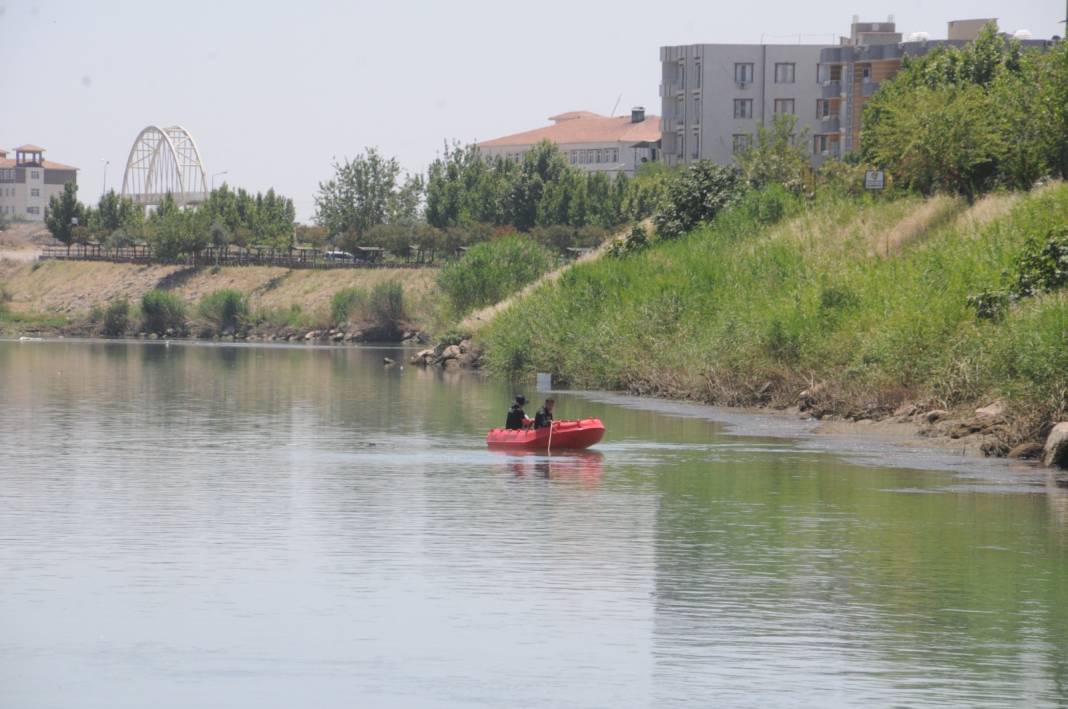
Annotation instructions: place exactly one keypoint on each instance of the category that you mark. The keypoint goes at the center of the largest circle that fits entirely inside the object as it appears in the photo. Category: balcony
(829, 124)
(868, 87)
(831, 89)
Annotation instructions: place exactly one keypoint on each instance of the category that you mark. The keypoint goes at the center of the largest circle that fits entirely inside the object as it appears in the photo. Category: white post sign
(874, 179)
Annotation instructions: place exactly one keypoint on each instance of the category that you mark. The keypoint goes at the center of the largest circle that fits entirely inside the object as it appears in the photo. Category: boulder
(311, 335)
(995, 410)
(808, 398)
(1026, 451)
(451, 352)
(337, 336)
(387, 361)
(936, 415)
(905, 410)
(1055, 452)
(465, 346)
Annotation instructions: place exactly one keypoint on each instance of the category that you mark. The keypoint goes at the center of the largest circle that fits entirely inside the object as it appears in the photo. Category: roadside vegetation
(491, 271)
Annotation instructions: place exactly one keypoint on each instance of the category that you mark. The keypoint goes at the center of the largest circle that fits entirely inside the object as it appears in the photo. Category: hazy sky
(273, 91)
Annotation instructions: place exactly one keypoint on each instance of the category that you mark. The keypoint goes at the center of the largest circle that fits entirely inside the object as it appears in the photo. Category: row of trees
(974, 118)
(466, 198)
(226, 217)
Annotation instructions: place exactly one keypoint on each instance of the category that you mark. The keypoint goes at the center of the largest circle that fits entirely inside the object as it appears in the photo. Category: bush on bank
(491, 271)
(225, 309)
(162, 311)
(868, 295)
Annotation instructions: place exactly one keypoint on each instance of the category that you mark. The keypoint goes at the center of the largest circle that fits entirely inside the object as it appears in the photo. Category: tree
(778, 155)
(363, 193)
(695, 195)
(63, 213)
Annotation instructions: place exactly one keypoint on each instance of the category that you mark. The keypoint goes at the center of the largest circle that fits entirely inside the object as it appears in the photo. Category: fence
(232, 256)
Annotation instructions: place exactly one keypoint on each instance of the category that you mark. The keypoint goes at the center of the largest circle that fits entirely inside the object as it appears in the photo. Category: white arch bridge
(162, 161)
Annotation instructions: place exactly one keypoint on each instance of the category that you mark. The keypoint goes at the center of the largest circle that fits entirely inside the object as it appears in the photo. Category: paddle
(549, 446)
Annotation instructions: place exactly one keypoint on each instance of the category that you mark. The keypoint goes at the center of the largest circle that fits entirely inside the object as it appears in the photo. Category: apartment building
(849, 74)
(589, 141)
(28, 181)
(714, 96)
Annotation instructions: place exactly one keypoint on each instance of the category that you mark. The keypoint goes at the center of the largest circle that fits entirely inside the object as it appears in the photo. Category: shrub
(226, 309)
(632, 243)
(347, 303)
(116, 317)
(386, 304)
(162, 311)
(4, 298)
(696, 195)
(1043, 265)
(490, 271)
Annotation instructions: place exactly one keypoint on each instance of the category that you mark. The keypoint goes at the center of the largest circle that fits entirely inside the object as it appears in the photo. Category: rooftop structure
(590, 141)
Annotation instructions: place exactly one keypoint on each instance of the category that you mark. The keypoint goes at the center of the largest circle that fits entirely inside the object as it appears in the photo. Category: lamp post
(214, 175)
(104, 189)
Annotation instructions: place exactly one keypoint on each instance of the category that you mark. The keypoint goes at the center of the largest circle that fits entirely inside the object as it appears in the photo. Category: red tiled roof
(585, 127)
(46, 164)
(29, 148)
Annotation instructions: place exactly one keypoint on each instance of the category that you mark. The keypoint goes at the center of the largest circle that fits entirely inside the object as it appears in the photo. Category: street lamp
(104, 190)
(224, 172)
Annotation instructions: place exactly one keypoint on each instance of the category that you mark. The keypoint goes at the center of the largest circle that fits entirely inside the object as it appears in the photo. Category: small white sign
(874, 179)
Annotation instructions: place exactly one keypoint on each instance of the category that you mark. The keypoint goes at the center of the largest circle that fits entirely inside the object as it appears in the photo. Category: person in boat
(517, 418)
(544, 417)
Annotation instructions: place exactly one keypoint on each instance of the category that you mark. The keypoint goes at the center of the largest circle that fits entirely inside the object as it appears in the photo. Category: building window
(682, 74)
(784, 105)
(784, 73)
(697, 110)
(865, 72)
(743, 73)
(823, 108)
(696, 148)
(33, 210)
(741, 142)
(35, 174)
(680, 144)
(34, 192)
(820, 144)
(697, 75)
(743, 108)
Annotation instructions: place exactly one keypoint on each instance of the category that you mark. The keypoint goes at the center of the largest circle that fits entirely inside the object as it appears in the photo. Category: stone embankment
(450, 355)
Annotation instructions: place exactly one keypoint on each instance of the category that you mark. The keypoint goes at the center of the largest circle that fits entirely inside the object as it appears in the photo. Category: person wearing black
(517, 418)
(544, 417)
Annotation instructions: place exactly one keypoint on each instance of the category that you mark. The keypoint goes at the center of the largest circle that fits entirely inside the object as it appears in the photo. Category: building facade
(612, 145)
(28, 181)
(715, 96)
(852, 72)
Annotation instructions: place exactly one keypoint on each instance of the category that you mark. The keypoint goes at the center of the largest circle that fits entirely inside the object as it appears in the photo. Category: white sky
(273, 91)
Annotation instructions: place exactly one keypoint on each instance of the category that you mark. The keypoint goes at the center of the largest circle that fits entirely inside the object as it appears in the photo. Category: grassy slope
(71, 288)
(867, 297)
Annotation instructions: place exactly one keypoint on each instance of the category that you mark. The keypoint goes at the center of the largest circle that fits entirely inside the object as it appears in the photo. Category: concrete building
(850, 73)
(714, 96)
(28, 181)
(612, 145)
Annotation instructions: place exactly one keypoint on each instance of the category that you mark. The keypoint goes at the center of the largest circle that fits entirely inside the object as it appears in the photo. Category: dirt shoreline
(888, 442)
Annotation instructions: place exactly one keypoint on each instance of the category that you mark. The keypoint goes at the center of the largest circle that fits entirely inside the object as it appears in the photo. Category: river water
(224, 526)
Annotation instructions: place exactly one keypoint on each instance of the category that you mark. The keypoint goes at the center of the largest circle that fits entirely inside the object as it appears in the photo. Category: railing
(831, 89)
(282, 258)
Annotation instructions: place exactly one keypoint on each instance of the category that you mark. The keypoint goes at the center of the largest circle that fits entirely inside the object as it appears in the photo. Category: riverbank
(67, 298)
(851, 309)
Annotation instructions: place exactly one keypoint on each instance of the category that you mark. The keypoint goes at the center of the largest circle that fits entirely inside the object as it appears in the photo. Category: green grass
(225, 309)
(870, 297)
(491, 271)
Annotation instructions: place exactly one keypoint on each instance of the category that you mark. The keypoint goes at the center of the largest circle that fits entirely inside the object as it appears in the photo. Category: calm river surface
(203, 526)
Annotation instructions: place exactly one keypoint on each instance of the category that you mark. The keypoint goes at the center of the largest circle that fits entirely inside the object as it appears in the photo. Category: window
(682, 74)
(697, 110)
(33, 210)
(743, 108)
(741, 142)
(743, 73)
(697, 75)
(696, 148)
(784, 73)
(784, 105)
(820, 144)
(680, 144)
(823, 108)
(34, 192)
(35, 174)
(865, 72)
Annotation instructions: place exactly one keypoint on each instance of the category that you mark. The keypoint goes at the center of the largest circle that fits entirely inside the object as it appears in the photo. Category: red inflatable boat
(570, 435)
